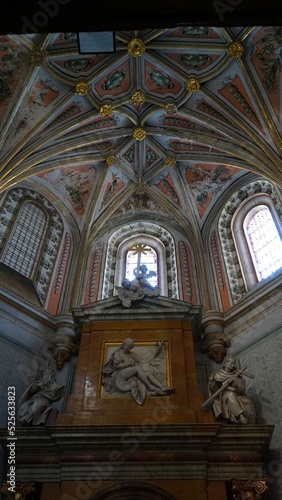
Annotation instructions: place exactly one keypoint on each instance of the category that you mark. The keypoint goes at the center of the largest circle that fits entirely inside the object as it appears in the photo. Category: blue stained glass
(147, 256)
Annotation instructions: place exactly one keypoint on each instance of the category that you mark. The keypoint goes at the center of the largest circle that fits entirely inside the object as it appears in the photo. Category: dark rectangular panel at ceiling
(48, 16)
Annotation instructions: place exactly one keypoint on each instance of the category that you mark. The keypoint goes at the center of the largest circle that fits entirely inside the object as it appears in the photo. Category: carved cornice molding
(196, 451)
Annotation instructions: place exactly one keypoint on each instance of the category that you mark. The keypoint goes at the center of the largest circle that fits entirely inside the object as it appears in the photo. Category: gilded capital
(139, 134)
(193, 85)
(235, 50)
(136, 47)
(81, 88)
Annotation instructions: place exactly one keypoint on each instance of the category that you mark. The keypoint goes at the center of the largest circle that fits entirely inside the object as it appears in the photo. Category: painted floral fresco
(167, 186)
(151, 157)
(11, 69)
(72, 110)
(113, 187)
(137, 202)
(266, 56)
(207, 181)
(158, 81)
(68, 38)
(115, 83)
(194, 62)
(207, 108)
(73, 184)
(194, 32)
(42, 95)
(234, 91)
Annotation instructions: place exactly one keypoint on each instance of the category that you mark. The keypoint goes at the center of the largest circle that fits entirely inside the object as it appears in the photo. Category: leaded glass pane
(22, 250)
(265, 242)
(141, 254)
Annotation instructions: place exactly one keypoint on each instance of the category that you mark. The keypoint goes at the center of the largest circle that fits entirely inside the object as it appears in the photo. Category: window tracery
(151, 235)
(239, 261)
(30, 235)
(264, 241)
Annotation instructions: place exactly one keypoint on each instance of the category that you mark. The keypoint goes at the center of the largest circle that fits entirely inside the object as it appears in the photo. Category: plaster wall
(256, 341)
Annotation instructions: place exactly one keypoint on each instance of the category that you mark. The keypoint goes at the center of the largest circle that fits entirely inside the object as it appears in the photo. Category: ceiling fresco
(168, 123)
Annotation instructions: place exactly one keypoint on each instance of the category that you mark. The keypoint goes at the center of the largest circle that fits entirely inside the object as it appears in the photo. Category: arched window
(160, 256)
(23, 248)
(264, 241)
(31, 231)
(140, 254)
(247, 216)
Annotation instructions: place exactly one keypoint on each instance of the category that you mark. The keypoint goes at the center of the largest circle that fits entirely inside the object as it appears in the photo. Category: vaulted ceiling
(173, 119)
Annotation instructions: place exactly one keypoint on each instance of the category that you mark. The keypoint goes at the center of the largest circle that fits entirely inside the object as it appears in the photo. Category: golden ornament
(235, 50)
(111, 160)
(81, 88)
(170, 161)
(37, 57)
(138, 98)
(193, 85)
(136, 47)
(170, 108)
(106, 110)
(139, 134)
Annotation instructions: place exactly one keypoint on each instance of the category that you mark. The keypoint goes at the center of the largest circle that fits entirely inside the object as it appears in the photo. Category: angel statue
(124, 372)
(137, 288)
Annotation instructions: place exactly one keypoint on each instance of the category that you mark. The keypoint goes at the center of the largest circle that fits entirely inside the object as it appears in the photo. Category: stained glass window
(23, 248)
(265, 242)
(141, 254)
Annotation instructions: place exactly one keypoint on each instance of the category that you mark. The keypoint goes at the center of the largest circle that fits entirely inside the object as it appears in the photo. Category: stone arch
(230, 254)
(134, 491)
(8, 216)
(145, 228)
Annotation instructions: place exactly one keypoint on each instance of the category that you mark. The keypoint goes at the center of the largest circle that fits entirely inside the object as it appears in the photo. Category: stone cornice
(197, 451)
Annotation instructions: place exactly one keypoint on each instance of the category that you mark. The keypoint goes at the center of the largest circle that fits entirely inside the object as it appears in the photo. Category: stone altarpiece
(106, 441)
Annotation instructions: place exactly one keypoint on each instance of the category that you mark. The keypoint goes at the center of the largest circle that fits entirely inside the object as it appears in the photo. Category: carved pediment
(148, 308)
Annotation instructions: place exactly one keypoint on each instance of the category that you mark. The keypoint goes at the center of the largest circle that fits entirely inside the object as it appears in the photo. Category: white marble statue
(36, 402)
(124, 372)
(137, 288)
(227, 395)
